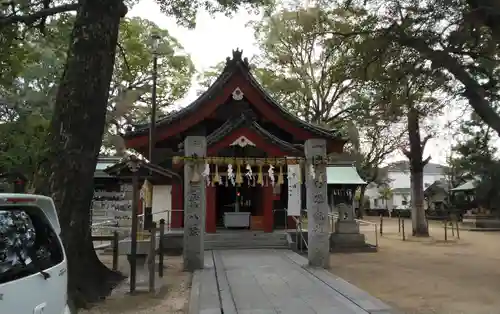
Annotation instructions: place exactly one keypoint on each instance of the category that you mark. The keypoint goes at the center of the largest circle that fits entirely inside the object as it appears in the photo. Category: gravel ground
(172, 297)
(428, 275)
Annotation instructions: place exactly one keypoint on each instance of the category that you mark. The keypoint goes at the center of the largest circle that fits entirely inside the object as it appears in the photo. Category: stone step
(250, 247)
(247, 242)
(223, 237)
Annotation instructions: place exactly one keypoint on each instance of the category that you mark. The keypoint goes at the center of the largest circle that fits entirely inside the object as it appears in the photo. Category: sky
(215, 37)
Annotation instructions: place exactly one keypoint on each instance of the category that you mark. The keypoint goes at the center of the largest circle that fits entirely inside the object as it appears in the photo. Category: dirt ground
(172, 296)
(428, 275)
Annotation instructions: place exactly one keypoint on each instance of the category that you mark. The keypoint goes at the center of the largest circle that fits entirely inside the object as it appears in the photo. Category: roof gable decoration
(242, 141)
(237, 94)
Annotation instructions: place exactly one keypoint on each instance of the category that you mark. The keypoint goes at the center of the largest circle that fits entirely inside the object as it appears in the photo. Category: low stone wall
(481, 221)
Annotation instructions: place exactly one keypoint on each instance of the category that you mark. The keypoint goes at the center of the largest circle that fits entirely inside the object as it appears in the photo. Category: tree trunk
(361, 208)
(74, 140)
(419, 223)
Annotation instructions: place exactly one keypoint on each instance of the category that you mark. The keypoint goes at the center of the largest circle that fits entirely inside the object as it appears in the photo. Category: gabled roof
(467, 186)
(234, 66)
(246, 121)
(145, 168)
(343, 174)
(404, 165)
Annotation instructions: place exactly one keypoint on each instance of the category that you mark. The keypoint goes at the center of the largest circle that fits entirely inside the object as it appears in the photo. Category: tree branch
(474, 92)
(31, 18)
(424, 141)
(426, 161)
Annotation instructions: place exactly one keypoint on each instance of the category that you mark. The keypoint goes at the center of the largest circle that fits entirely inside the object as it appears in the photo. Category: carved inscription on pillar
(317, 206)
(194, 206)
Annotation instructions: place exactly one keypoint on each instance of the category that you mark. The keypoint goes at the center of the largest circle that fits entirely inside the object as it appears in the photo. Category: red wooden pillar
(267, 208)
(177, 217)
(210, 217)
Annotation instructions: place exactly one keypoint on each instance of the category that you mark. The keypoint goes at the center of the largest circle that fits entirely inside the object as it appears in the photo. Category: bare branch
(29, 19)
(425, 140)
(426, 161)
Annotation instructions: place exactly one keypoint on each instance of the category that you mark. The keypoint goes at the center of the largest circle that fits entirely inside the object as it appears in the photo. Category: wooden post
(403, 229)
(445, 230)
(115, 250)
(381, 224)
(399, 222)
(160, 248)
(452, 228)
(152, 258)
(133, 241)
(456, 226)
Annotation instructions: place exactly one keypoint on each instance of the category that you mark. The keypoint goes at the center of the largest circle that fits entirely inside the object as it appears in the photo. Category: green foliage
(448, 37)
(21, 144)
(306, 68)
(385, 193)
(133, 71)
(475, 159)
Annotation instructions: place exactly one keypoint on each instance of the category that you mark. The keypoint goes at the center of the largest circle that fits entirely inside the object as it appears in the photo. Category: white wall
(399, 180)
(162, 201)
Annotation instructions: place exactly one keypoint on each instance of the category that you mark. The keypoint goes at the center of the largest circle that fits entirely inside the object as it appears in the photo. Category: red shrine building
(239, 119)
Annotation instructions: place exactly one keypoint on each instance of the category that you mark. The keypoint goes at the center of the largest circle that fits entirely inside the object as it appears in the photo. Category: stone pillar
(317, 206)
(194, 204)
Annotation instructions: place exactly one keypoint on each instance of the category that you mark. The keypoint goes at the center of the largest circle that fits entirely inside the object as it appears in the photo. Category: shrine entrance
(236, 205)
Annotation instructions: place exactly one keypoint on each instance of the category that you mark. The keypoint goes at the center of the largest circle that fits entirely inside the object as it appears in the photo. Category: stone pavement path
(273, 281)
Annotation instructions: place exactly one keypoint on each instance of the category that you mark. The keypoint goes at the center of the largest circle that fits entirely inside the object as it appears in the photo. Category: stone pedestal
(346, 227)
(317, 206)
(347, 236)
(194, 204)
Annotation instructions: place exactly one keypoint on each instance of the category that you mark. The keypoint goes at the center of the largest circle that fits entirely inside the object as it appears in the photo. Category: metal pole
(160, 247)
(152, 258)
(152, 125)
(115, 250)
(133, 242)
(445, 230)
(403, 229)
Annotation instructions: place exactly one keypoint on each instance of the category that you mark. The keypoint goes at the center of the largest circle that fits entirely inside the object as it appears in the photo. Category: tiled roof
(235, 65)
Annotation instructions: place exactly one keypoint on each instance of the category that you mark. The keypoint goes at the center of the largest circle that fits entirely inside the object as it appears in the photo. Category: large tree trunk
(419, 222)
(74, 140)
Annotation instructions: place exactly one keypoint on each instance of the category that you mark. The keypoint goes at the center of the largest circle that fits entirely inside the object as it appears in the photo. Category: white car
(33, 267)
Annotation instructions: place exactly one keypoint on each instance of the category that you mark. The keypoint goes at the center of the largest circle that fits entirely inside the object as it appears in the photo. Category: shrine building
(239, 119)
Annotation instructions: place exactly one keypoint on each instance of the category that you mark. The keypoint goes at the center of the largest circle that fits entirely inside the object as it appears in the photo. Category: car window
(28, 244)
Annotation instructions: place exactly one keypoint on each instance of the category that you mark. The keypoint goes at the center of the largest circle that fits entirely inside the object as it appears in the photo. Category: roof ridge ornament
(237, 58)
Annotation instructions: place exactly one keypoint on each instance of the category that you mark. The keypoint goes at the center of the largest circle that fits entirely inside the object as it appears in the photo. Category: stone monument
(317, 205)
(347, 235)
(194, 204)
